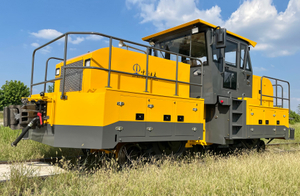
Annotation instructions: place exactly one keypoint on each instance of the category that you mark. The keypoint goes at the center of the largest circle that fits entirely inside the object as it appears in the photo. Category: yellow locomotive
(193, 86)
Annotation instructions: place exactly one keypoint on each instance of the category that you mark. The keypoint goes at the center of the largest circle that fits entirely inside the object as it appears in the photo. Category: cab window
(230, 53)
(190, 45)
(243, 55)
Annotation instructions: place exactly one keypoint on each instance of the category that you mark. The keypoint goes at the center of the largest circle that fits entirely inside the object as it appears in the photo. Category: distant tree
(50, 88)
(294, 117)
(12, 92)
(298, 109)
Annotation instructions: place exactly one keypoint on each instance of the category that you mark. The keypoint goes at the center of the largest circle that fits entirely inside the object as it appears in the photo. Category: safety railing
(276, 86)
(276, 97)
(110, 70)
(46, 70)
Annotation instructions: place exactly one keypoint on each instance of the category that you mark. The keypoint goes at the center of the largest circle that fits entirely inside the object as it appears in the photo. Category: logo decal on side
(136, 68)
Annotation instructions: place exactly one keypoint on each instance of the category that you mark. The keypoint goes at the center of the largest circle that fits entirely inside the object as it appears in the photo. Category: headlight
(57, 72)
(88, 62)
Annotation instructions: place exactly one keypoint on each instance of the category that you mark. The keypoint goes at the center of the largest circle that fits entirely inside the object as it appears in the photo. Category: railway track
(283, 144)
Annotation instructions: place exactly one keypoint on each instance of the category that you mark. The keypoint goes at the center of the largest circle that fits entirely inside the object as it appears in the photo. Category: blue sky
(25, 25)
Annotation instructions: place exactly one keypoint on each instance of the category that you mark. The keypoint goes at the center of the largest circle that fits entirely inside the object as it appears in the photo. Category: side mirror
(220, 38)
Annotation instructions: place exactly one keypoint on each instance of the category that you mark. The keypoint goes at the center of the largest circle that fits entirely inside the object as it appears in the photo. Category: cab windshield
(189, 45)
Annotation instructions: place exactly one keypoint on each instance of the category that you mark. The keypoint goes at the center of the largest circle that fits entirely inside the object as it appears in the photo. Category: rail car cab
(238, 105)
(224, 55)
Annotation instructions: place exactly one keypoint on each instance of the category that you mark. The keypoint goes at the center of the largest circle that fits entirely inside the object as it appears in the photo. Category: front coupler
(26, 116)
(19, 116)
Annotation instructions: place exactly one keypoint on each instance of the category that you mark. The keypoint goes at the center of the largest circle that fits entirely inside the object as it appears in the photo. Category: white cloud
(47, 34)
(168, 13)
(52, 34)
(78, 40)
(35, 45)
(276, 32)
(258, 69)
(46, 50)
(295, 99)
(94, 37)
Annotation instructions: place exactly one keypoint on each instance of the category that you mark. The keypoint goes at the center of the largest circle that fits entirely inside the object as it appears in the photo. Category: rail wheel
(261, 146)
(175, 148)
(129, 153)
(86, 152)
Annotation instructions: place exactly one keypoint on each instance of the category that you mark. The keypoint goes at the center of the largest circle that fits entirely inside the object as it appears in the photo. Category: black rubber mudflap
(292, 134)
(5, 118)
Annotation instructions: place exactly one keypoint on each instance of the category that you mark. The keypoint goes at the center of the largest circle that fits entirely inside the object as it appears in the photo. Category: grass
(269, 173)
(28, 149)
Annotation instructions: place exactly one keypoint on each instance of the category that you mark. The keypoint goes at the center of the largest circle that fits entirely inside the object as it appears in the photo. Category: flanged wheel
(174, 147)
(86, 152)
(129, 153)
(261, 146)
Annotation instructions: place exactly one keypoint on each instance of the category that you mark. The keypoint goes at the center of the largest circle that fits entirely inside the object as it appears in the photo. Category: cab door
(245, 75)
(230, 74)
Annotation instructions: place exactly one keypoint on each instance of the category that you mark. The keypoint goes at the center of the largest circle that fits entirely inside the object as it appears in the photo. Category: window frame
(158, 45)
(245, 56)
(236, 56)
(248, 61)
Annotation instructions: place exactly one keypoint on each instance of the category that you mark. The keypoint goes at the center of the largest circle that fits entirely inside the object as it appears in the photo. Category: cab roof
(197, 21)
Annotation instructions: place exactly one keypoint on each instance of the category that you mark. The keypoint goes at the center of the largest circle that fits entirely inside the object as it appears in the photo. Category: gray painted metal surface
(225, 123)
(267, 131)
(109, 136)
(214, 73)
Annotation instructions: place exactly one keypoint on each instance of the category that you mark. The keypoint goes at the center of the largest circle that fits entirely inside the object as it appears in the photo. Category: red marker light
(222, 101)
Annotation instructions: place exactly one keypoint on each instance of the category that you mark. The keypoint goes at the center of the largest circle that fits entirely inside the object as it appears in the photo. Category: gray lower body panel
(107, 137)
(267, 131)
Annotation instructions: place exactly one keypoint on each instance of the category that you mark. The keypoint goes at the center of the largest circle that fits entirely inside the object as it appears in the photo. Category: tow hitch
(29, 115)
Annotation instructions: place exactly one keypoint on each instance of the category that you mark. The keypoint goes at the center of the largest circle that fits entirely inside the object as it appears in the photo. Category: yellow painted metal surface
(266, 111)
(96, 80)
(252, 43)
(96, 105)
(101, 109)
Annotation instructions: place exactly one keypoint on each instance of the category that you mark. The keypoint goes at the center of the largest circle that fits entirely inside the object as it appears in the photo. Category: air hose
(26, 129)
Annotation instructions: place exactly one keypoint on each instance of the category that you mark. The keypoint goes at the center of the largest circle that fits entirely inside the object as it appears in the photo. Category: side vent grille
(73, 77)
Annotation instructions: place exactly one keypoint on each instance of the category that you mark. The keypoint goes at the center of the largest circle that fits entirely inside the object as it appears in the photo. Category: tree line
(11, 93)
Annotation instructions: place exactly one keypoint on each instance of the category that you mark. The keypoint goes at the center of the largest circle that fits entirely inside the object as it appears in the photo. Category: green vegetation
(50, 88)
(295, 117)
(266, 173)
(27, 149)
(12, 92)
